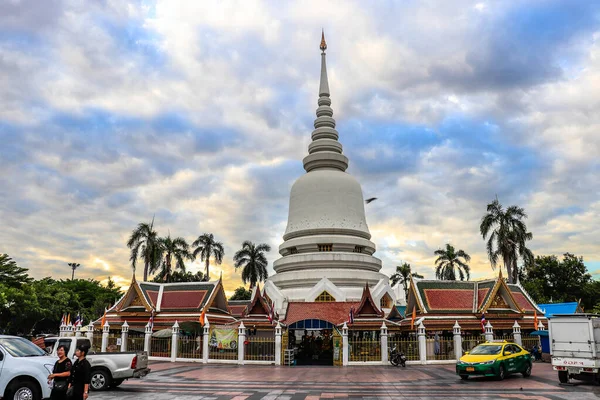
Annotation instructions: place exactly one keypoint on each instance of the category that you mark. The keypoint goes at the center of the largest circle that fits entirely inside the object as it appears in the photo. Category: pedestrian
(60, 375)
(79, 382)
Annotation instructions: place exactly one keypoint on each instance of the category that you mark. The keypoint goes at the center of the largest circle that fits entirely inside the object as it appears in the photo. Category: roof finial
(500, 274)
(323, 46)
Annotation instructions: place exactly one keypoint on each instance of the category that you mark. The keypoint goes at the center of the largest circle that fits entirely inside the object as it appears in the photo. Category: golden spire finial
(323, 46)
(500, 275)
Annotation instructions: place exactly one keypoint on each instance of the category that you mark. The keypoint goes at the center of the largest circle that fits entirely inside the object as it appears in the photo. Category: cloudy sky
(200, 112)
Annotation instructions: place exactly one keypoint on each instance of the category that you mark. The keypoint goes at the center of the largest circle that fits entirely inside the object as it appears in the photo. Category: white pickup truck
(575, 346)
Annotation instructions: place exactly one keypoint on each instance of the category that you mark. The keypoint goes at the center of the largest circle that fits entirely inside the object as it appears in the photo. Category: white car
(24, 369)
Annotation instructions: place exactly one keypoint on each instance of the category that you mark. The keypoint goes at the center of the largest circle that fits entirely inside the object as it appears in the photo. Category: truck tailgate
(572, 338)
(142, 360)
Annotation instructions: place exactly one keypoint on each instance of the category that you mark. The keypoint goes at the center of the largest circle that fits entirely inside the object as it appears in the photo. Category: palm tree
(73, 266)
(402, 276)
(252, 260)
(143, 243)
(448, 260)
(173, 250)
(207, 247)
(507, 238)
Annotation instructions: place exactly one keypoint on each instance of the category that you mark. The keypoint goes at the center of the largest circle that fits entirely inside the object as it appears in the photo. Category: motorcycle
(397, 358)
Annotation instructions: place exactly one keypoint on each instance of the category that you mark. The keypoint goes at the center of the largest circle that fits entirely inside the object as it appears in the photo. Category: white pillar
(384, 343)
(124, 334)
(241, 345)
(174, 337)
(541, 326)
(105, 330)
(345, 348)
(90, 334)
(205, 340)
(278, 344)
(147, 338)
(422, 343)
(489, 332)
(517, 333)
(457, 341)
(61, 330)
(78, 331)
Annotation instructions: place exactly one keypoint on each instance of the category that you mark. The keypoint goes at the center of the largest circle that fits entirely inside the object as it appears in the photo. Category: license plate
(470, 369)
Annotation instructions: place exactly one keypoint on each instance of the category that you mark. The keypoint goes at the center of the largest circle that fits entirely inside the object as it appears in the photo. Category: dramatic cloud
(199, 114)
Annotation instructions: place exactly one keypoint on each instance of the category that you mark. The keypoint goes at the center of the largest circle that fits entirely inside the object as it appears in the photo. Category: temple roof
(335, 312)
(560, 308)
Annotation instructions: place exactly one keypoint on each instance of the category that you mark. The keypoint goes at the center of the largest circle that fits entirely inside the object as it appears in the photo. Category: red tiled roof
(335, 312)
(522, 301)
(449, 299)
(183, 299)
(237, 311)
(152, 296)
(481, 293)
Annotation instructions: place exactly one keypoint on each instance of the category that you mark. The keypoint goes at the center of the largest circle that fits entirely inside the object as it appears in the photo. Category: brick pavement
(250, 382)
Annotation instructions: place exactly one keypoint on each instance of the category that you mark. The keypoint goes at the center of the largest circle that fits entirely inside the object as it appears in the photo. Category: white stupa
(327, 244)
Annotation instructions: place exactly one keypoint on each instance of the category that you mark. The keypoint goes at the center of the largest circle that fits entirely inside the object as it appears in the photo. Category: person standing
(80, 375)
(60, 375)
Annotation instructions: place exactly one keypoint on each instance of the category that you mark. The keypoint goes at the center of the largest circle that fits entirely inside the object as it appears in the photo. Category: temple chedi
(327, 253)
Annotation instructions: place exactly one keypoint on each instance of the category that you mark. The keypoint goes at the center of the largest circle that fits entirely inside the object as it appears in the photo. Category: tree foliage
(449, 260)
(179, 276)
(206, 247)
(253, 262)
(172, 251)
(144, 244)
(402, 276)
(241, 293)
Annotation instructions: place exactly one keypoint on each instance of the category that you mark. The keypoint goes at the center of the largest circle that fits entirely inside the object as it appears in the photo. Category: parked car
(24, 369)
(497, 359)
(108, 369)
(575, 346)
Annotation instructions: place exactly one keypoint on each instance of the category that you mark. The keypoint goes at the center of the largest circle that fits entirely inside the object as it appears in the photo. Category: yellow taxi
(496, 358)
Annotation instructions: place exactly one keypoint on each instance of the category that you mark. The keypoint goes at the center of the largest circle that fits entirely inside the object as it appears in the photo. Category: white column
(345, 348)
(241, 340)
(105, 330)
(174, 337)
(124, 334)
(278, 344)
(421, 336)
(457, 341)
(489, 332)
(517, 333)
(147, 338)
(90, 334)
(541, 326)
(205, 340)
(78, 331)
(384, 343)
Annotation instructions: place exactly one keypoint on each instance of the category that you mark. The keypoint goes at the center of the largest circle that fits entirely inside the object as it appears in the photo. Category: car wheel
(464, 377)
(527, 372)
(116, 382)
(501, 372)
(101, 380)
(563, 376)
(23, 390)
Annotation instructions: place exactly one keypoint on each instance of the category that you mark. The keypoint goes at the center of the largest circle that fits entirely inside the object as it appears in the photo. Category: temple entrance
(312, 341)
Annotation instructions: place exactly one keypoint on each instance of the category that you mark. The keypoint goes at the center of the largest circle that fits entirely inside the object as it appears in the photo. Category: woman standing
(60, 374)
(80, 375)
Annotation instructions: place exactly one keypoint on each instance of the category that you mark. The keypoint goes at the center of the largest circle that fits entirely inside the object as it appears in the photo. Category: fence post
(457, 341)
(78, 331)
(422, 343)
(345, 345)
(124, 334)
(541, 326)
(90, 333)
(61, 330)
(205, 340)
(384, 343)
(174, 337)
(517, 333)
(241, 341)
(147, 338)
(105, 330)
(278, 344)
(489, 332)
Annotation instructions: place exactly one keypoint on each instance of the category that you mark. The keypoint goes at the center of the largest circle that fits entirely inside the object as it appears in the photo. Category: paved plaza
(197, 381)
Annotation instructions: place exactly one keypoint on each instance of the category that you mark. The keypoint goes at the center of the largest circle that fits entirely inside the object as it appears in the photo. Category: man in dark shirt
(80, 375)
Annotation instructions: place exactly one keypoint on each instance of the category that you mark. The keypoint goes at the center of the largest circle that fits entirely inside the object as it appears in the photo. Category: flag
(414, 316)
(151, 320)
(482, 322)
(203, 316)
(272, 310)
(351, 315)
(270, 314)
(69, 319)
(62, 320)
(535, 320)
(78, 320)
(103, 321)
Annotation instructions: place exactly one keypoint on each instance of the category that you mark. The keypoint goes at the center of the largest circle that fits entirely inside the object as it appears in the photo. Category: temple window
(359, 249)
(325, 247)
(385, 301)
(293, 250)
(324, 296)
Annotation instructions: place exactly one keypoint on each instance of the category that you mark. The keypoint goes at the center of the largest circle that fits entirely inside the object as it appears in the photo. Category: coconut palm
(176, 250)
(251, 258)
(448, 261)
(73, 266)
(507, 237)
(402, 276)
(143, 243)
(207, 247)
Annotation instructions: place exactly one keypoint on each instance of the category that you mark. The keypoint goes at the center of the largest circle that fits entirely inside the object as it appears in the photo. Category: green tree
(206, 247)
(507, 237)
(178, 276)
(144, 244)
(73, 266)
(176, 250)
(450, 260)
(402, 276)
(251, 258)
(241, 293)
(11, 275)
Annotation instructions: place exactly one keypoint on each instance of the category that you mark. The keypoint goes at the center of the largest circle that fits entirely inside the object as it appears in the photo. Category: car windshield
(486, 350)
(19, 347)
